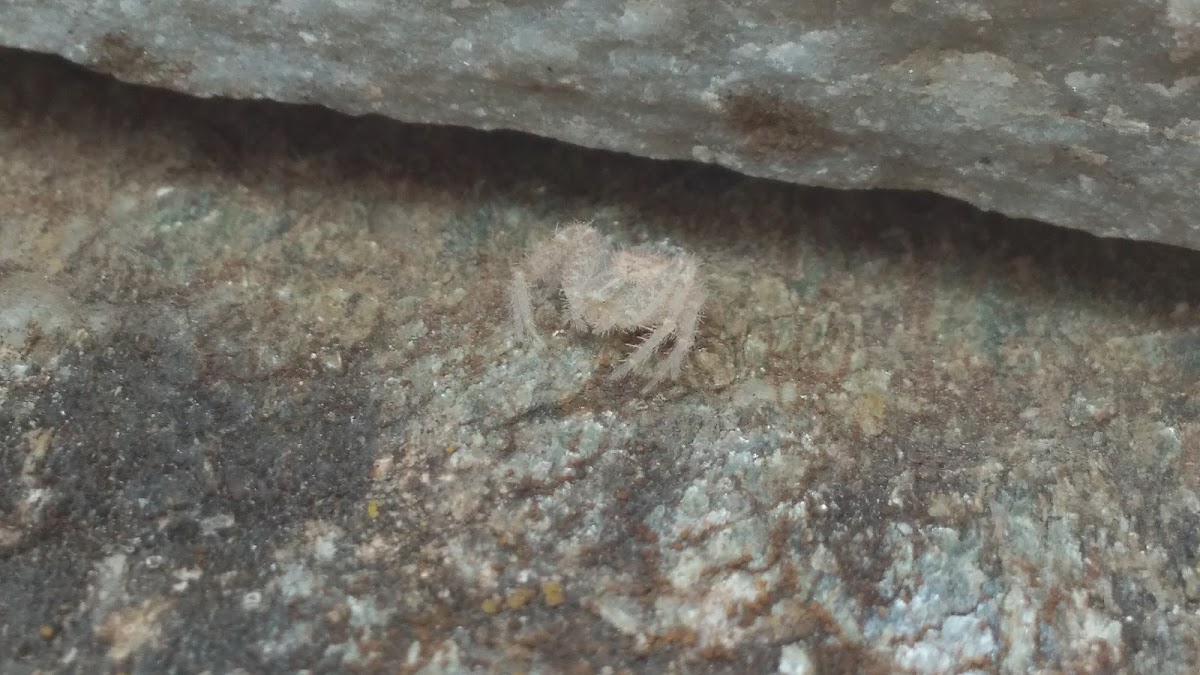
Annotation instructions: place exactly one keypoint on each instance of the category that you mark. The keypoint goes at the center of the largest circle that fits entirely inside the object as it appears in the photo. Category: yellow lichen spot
(870, 412)
(46, 631)
(373, 509)
(491, 605)
(518, 598)
(450, 449)
(552, 593)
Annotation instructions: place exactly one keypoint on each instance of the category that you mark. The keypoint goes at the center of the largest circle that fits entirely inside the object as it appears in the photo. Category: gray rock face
(1078, 113)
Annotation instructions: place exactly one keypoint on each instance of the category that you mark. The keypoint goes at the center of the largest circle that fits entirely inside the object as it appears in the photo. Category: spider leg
(524, 327)
(545, 264)
(646, 349)
(685, 336)
(681, 307)
(574, 309)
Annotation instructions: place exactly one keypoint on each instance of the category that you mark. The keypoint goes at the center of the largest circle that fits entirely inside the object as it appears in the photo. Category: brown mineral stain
(772, 125)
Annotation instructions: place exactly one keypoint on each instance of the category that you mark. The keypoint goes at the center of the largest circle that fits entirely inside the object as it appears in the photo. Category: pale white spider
(606, 288)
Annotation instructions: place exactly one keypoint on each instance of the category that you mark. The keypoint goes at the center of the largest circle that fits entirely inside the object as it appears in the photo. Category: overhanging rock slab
(1079, 113)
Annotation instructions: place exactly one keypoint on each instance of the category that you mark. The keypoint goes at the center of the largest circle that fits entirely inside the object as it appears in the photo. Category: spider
(606, 287)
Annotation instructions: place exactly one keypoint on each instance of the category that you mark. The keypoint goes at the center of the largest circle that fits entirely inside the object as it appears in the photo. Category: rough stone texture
(1079, 113)
(258, 413)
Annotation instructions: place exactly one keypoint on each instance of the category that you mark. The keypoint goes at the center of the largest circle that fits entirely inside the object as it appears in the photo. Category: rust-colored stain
(120, 56)
(771, 125)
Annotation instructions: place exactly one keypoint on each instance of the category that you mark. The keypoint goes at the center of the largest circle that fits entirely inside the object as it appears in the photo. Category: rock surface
(1080, 114)
(259, 413)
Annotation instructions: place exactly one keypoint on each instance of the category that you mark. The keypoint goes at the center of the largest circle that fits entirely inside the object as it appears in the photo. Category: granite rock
(1080, 114)
(260, 412)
